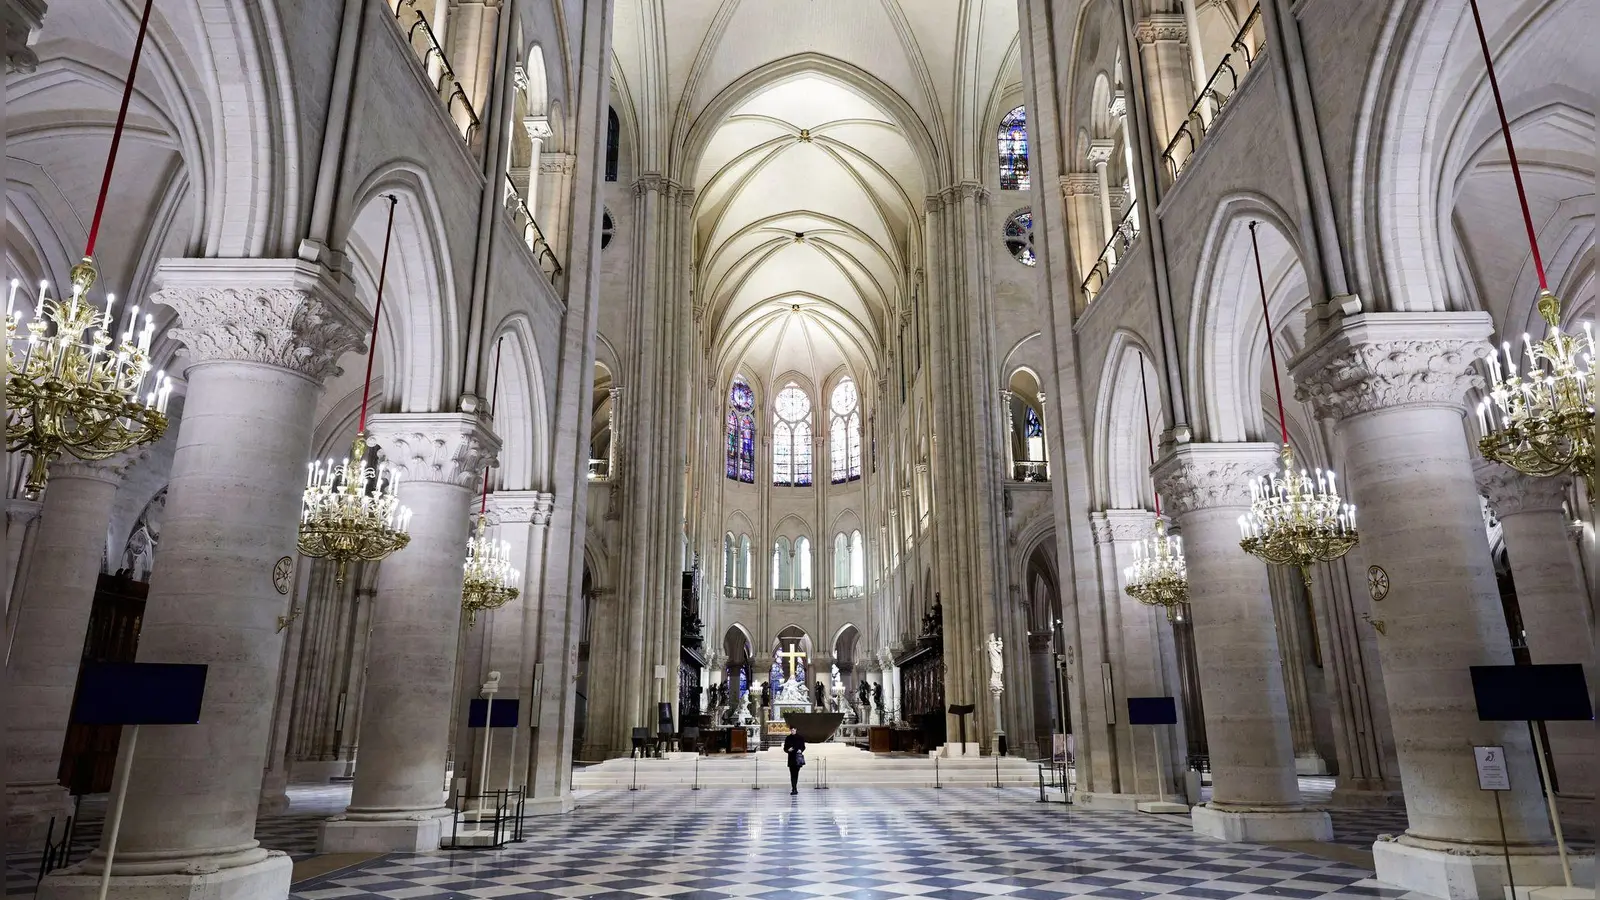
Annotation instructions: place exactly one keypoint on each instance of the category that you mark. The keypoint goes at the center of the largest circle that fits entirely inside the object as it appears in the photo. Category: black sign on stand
(1152, 711)
(504, 714)
(1532, 694)
(124, 693)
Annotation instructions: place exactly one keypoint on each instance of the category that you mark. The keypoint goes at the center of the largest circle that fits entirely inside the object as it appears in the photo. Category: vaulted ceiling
(809, 187)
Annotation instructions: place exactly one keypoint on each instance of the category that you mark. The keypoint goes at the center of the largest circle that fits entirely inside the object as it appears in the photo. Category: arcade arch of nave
(1009, 228)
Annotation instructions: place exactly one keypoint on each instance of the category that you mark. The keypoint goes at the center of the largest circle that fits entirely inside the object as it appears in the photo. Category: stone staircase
(835, 765)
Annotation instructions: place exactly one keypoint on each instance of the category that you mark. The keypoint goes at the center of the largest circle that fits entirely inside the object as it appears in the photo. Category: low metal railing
(733, 592)
(599, 469)
(522, 217)
(424, 41)
(1241, 58)
(499, 813)
(1114, 252)
(847, 591)
(791, 595)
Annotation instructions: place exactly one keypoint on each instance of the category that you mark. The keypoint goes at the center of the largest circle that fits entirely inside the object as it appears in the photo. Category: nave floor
(865, 843)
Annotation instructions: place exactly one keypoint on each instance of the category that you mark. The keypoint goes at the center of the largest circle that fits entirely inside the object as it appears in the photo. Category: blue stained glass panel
(1013, 145)
(1031, 426)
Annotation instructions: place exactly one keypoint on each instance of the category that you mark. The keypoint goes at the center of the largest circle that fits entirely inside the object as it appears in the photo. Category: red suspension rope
(377, 309)
(494, 400)
(116, 136)
(1511, 150)
(1149, 430)
(1272, 352)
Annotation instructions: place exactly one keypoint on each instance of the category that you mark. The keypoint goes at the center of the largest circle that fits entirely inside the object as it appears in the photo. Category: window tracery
(1019, 236)
(1014, 150)
(844, 432)
(741, 432)
(791, 437)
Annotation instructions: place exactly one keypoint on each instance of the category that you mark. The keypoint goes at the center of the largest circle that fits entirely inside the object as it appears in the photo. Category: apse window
(1019, 236)
(741, 431)
(791, 437)
(844, 432)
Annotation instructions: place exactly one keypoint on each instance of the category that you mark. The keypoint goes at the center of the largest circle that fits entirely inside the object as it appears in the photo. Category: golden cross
(793, 654)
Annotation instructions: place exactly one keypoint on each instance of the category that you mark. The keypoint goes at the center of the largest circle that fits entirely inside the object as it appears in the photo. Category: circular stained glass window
(742, 398)
(608, 227)
(1019, 236)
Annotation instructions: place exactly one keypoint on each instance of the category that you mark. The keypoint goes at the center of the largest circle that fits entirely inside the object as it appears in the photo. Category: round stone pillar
(1550, 595)
(1394, 384)
(261, 335)
(1256, 796)
(55, 601)
(398, 796)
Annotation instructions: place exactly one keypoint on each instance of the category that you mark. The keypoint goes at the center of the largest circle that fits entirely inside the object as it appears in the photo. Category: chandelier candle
(1294, 519)
(70, 390)
(352, 511)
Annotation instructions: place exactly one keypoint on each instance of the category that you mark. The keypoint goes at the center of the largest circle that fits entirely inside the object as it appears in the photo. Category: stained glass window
(741, 432)
(791, 437)
(1019, 235)
(844, 432)
(1031, 426)
(1014, 150)
(613, 144)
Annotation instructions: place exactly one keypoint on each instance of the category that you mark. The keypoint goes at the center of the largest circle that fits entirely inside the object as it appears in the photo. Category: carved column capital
(1379, 361)
(1510, 492)
(1212, 476)
(1122, 525)
(21, 20)
(445, 448)
(1039, 641)
(521, 507)
(279, 312)
(21, 511)
(110, 471)
(1161, 27)
(1080, 184)
(1100, 151)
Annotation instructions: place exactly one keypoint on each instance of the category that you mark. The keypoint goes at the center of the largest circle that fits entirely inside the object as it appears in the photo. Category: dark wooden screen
(89, 754)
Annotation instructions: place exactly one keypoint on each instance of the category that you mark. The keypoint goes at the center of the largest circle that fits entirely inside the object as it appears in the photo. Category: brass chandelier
(351, 511)
(67, 389)
(1296, 517)
(489, 580)
(1540, 422)
(1159, 575)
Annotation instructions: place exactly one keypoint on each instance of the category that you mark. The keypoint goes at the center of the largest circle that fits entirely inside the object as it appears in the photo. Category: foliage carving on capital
(1343, 378)
(1080, 184)
(1511, 492)
(521, 507)
(1124, 525)
(110, 470)
(1161, 27)
(444, 448)
(1215, 476)
(292, 328)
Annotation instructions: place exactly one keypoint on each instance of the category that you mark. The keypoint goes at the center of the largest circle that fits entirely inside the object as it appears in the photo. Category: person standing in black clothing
(795, 746)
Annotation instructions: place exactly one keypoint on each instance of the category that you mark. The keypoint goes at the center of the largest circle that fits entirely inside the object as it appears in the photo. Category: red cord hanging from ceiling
(1272, 352)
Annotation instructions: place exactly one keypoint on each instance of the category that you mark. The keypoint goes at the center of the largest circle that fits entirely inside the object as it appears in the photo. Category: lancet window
(844, 432)
(741, 432)
(1014, 150)
(791, 437)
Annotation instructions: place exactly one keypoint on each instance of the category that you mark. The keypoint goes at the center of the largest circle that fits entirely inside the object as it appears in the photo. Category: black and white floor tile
(848, 843)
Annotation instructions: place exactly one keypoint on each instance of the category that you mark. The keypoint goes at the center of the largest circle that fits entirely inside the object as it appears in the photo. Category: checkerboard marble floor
(861, 843)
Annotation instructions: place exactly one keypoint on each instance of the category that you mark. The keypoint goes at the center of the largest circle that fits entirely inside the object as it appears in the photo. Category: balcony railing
(847, 591)
(599, 469)
(1242, 56)
(1026, 470)
(791, 595)
(736, 593)
(531, 235)
(1113, 253)
(420, 35)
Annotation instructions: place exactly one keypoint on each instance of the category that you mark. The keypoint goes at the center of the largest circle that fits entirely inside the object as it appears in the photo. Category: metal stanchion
(936, 782)
(696, 774)
(635, 774)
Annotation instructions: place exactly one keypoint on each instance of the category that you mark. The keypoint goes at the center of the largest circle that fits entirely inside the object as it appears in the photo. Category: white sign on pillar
(1492, 772)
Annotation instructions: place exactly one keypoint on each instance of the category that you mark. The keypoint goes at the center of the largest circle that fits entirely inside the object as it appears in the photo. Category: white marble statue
(996, 665)
(793, 691)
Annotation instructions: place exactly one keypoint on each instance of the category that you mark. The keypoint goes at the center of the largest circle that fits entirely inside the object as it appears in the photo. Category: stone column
(538, 128)
(1044, 689)
(398, 796)
(1287, 599)
(1550, 595)
(262, 335)
(47, 643)
(1256, 796)
(22, 523)
(1078, 191)
(1100, 157)
(1393, 385)
(1171, 92)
